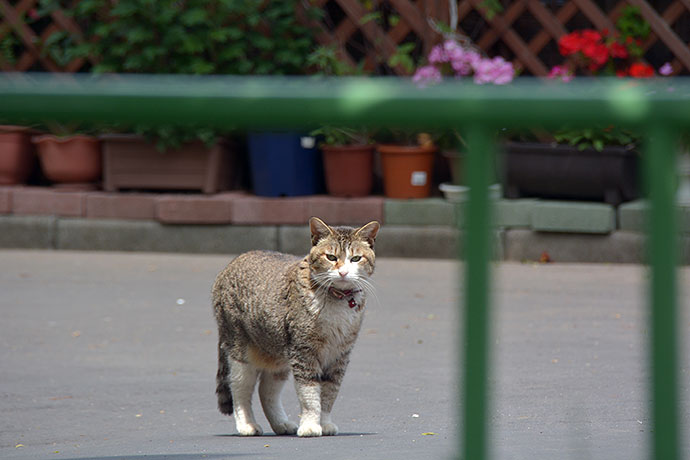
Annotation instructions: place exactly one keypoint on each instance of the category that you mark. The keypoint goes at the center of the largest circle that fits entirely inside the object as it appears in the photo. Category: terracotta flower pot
(348, 169)
(407, 170)
(16, 157)
(69, 160)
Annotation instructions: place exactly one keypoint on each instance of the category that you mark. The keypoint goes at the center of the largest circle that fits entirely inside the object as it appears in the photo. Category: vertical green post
(661, 161)
(476, 314)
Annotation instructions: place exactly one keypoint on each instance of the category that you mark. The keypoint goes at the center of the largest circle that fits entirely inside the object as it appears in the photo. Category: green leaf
(139, 35)
(194, 17)
(201, 67)
(192, 44)
(373, 16)
(124, 9)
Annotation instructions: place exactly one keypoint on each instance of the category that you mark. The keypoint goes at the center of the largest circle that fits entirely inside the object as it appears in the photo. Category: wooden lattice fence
(370, 32)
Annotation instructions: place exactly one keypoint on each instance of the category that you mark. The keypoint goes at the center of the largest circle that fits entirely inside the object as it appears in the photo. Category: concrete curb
(435, 242)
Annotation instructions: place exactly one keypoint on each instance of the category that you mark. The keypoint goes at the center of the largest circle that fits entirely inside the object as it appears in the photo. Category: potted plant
(133, 161)
(597, 163)
(70, 156)
(17, 157)
(348, 160)
(348, 152)
(407, 163)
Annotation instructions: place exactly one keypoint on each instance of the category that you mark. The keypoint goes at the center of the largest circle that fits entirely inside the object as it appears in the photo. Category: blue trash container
(285, 164)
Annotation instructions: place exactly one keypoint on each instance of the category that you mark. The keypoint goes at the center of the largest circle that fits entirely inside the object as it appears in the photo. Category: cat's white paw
(329, 429)
(285, 428)
(249, 429)
(309, 429)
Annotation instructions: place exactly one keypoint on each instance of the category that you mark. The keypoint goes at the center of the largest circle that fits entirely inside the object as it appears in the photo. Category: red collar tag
(340, 295)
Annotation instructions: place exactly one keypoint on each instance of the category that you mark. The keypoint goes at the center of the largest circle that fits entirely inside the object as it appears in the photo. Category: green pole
(660, 155)
(476, 319)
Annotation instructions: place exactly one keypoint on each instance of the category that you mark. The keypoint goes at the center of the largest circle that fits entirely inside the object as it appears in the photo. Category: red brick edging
(222, 208)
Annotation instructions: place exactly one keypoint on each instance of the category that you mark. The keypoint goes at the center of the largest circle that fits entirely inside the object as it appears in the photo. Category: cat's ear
(319, 230)
(369, 232)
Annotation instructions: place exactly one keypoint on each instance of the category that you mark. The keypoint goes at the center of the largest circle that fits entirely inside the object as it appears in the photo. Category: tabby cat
(278, 314)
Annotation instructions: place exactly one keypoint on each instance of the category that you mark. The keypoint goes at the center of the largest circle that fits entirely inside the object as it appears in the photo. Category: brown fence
(370, 32)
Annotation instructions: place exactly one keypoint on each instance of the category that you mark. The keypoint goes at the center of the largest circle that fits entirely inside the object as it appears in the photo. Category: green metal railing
(658, 109)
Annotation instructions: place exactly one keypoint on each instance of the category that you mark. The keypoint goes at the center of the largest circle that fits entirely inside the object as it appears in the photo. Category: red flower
(618, 51)
(641, 70)
(591, 36)
(570, 44)
(597, 52)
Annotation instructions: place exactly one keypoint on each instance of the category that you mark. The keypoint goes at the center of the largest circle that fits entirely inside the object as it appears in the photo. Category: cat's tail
(222, 382)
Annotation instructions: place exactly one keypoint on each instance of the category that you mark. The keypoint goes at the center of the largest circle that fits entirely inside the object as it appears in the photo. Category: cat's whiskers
(362, 283)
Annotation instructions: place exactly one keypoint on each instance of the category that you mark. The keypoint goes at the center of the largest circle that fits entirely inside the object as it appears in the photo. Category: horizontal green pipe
(271, 102)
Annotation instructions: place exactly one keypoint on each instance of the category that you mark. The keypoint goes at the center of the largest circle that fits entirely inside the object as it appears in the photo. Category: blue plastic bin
(285, 164)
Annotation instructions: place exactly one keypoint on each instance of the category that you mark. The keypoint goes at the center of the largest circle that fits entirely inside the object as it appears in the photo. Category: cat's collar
(342, 294)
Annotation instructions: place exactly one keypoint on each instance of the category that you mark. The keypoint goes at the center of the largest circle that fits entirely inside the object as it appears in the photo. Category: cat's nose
(342, 271)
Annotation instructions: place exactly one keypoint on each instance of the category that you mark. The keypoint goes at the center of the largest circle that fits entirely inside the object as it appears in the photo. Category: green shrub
(188, 37)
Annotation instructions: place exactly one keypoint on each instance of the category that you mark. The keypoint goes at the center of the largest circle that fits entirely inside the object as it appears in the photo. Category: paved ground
(112, 356)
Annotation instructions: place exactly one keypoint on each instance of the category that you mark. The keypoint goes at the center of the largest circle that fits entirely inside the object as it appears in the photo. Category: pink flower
(427, 75)
(497, 71)
(562, 72)
(666, 69)
(452, 57)
(437, 55)
(465, 62)
(454, 51)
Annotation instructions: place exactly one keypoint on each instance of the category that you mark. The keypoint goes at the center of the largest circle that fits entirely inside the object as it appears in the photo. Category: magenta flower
(666, 69)
(562, 72)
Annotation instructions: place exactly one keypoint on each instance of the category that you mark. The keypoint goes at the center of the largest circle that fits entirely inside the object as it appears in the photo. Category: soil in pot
(72, 162)
(349, 169)
(407, 170)
(16, 157)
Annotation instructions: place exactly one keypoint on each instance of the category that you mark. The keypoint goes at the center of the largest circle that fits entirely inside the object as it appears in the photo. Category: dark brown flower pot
(17, 158)
(71, 160)
(407, 170)
(349, 169)
(564, 172)
(131, 162)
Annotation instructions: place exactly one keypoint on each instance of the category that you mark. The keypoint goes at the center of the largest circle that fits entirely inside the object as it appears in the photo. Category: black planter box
(564, 172)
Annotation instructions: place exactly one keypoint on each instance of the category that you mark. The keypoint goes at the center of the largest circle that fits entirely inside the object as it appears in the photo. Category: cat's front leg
(330, 386)
(328, 428)
(309, 395)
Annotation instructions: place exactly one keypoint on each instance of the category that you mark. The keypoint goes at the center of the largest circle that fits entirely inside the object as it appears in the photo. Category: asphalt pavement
(112, 356)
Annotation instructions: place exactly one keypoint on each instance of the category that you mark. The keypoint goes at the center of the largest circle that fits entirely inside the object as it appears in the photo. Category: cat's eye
(331, 257)
(356, 259)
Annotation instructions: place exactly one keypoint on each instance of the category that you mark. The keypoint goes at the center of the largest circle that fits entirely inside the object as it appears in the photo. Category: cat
(278, 314)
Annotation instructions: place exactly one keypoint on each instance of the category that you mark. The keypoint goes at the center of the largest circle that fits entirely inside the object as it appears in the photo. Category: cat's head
(342, 257)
